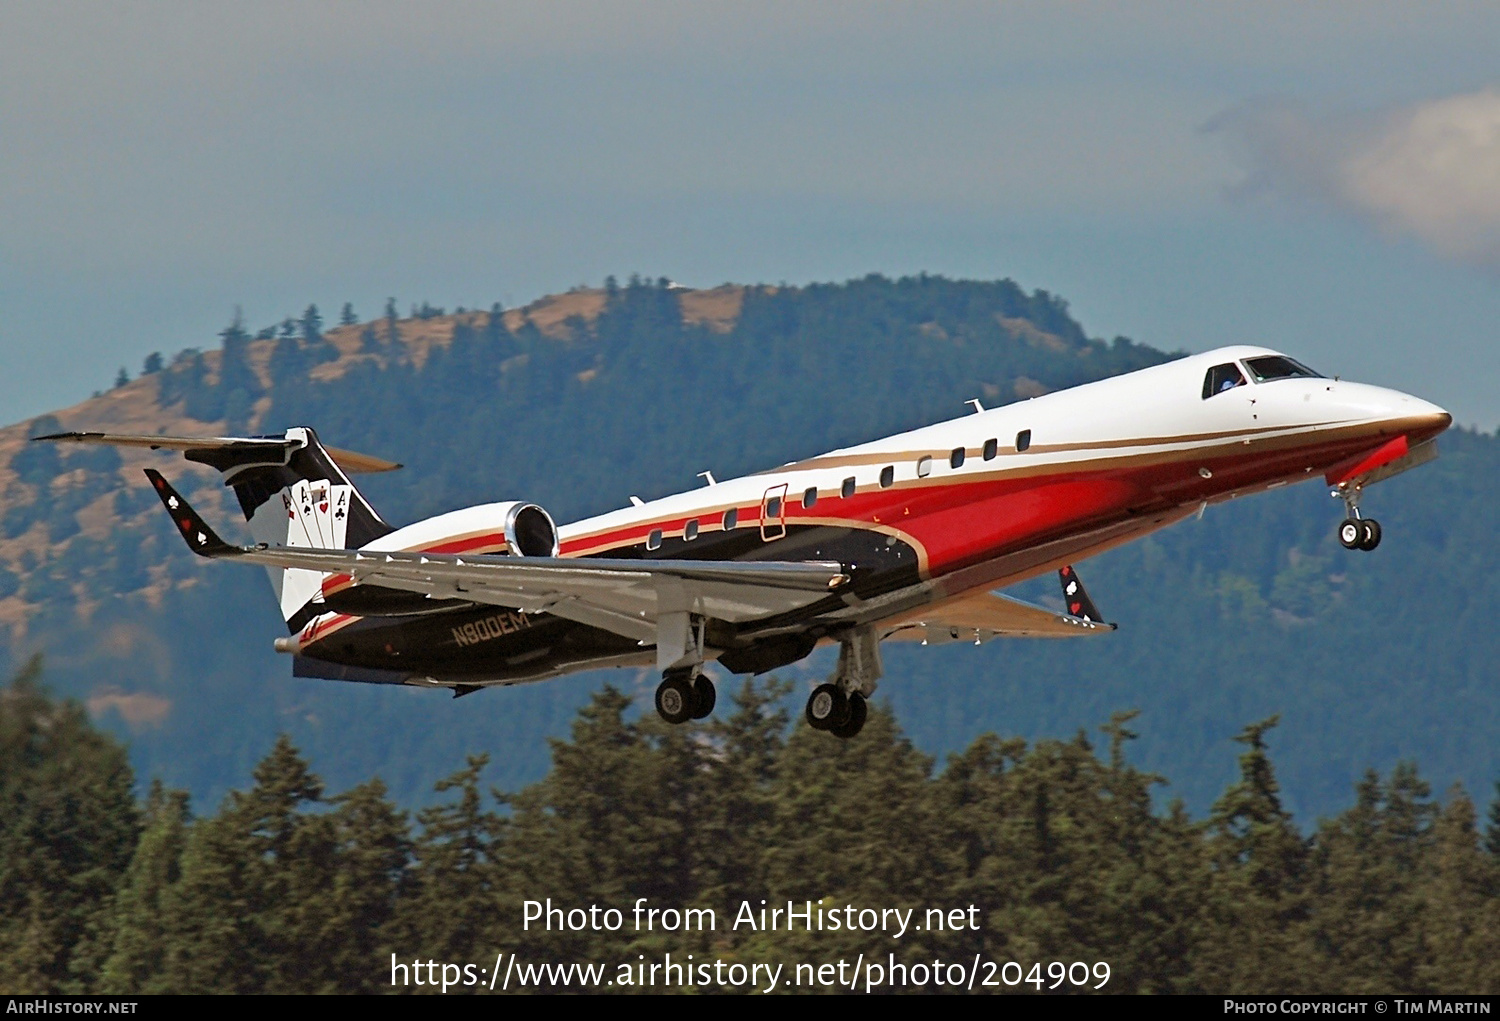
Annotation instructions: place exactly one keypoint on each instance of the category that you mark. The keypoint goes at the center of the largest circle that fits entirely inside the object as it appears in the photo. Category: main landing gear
(685, 695)
(839, 706)
(842, 715)
(1355, 531)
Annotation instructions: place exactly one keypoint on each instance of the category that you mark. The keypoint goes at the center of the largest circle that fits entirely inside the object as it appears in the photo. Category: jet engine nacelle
(529, 531)
(513, 527)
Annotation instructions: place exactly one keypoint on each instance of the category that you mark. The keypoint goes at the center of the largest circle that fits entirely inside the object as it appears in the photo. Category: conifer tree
(1368, 926)
(1148, 867)
(251, 911)
(450, 905)
(1492, 829)
(372, 853)
(1257, 896)
(311, 325)
(733, 827)
(68, 824)
(854, 823)
(1460, 913)
(611, 823)
(134, 941)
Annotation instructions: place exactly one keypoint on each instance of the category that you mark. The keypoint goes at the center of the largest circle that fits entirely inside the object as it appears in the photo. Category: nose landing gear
(1359, 533)
(1355, 531)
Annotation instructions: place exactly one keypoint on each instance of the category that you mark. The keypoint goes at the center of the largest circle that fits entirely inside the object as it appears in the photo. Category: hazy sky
(1324, 178)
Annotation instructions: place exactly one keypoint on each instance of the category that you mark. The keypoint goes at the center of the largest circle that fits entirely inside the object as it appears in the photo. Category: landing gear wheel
(858, 710)
(674, 698)
(704, 697)
(827, 707)
(1351, 533)
(1369, 534)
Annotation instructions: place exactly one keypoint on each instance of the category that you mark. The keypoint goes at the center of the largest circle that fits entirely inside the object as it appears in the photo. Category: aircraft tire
(674, 698)
(858, 710)
(1369, 534)
(1351, 533)
(704, 697)
(827, 707)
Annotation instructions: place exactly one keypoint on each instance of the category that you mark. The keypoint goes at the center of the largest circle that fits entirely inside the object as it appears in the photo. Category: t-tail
(293, 491)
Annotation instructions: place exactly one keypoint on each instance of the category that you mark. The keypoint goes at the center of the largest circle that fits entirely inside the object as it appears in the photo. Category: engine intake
(530, 531)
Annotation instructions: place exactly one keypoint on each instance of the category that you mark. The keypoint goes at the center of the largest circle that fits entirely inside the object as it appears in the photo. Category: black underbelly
(474, 643)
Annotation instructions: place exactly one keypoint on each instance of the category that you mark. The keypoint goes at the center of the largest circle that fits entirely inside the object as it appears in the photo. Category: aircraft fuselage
(978, 502)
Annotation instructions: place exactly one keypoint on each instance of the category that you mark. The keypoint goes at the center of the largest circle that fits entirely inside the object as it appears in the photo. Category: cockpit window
(1278, 367)
(1221, 378)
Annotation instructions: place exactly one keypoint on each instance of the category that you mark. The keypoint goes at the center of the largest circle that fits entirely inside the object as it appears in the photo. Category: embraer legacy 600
(898, 539)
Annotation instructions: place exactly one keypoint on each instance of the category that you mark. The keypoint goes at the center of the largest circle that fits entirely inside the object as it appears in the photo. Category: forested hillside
(581, 400)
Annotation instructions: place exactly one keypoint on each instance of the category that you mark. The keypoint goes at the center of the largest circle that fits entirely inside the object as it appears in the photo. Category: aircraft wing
(981, 616)
(623, 596)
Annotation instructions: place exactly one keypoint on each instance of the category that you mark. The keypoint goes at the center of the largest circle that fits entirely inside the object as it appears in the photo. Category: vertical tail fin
(293, 491)
(301, 498)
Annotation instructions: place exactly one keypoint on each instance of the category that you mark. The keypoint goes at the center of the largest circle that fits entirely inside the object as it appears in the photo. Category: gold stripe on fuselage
(1023, 465)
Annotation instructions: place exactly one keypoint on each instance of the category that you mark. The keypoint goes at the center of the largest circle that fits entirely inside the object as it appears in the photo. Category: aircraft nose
(1421, 419)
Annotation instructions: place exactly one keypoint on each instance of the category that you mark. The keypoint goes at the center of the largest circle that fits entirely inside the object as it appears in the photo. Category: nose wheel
(1360, 533)
(1355, 532)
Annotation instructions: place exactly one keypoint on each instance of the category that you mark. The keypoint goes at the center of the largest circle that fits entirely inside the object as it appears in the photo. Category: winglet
(1077, 598)
(201, 539)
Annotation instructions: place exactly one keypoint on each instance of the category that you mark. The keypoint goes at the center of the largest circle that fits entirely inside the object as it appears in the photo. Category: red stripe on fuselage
(958, 521)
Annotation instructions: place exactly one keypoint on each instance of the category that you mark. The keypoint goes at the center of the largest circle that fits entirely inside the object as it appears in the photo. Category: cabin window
(847, 489)
(1023, 439)
(690, 531)
(773, 507)
(956, 459)
(924, 468)
(1221, 378)
(991, 448)
(731, 518)
(653, 541)
(1263, 370)
(810, 497)
(887, 476)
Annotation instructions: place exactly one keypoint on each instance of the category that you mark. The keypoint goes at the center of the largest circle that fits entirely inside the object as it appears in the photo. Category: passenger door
(773, 513)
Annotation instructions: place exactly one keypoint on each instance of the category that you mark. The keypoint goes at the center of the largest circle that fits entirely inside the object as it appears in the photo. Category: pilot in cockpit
(1221, 378)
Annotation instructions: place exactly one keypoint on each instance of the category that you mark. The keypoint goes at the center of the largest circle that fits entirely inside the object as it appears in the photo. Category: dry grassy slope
(136, 408)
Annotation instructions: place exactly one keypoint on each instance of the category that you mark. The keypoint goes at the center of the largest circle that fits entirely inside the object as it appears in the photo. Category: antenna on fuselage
(709, 477)
(978, 408)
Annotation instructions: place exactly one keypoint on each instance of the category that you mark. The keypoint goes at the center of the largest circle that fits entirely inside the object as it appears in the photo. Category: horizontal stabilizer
(213, 448)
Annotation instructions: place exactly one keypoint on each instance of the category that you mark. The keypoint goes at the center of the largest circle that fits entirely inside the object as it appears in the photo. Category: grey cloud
(1428, 170)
